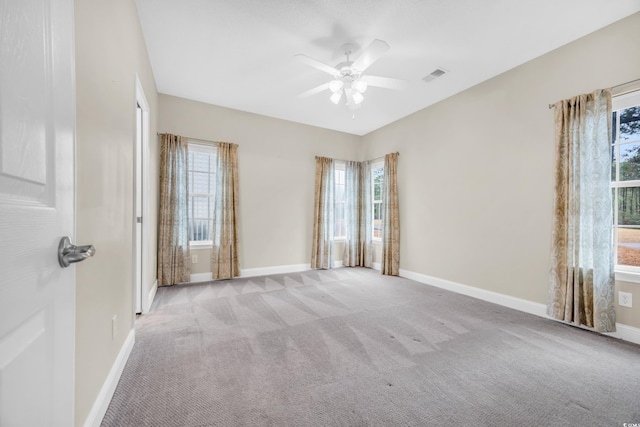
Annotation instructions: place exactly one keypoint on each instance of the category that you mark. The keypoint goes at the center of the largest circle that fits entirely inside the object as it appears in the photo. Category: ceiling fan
(348, 76)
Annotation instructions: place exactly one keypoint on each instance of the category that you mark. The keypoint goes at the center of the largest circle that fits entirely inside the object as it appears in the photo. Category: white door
(37, 131)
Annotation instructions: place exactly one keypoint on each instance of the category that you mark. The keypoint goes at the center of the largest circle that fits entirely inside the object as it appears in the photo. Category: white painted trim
(626, 333)
(141, 99)
(378, 266)
(200, 245)
(151, 297)
(260, 271)
(623, 332)
(201, 277)
(279, 269)
(336, 264)
(627, 276)
(483, 294)
(101, 404)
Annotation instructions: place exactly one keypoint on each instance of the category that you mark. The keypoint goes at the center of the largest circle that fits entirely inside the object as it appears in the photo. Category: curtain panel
(365, 217)
(224, 253)
(352, 185)
(173, 229)
(358, 251)
(323, 214)
(390, 218)
(582, 281)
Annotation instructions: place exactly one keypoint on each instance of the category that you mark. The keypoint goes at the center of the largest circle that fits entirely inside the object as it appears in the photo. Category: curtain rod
(342, 160)
(612, 87)
(188, 137)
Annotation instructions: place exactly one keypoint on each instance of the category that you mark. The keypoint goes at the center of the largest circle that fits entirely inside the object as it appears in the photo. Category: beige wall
(475, 174)
(276, 175)
(109, 52)
(626, 315)
(476, 170)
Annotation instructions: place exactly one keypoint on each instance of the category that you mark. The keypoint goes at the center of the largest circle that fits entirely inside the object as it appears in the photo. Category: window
(340, 221)
(202, 184)
(625, 180)
(377, 179)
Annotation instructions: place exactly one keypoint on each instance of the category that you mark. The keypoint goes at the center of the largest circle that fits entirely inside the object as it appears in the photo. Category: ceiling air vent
(434, 75)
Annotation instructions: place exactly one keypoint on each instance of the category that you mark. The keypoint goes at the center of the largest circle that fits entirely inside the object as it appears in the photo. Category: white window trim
(203, 148)
(209, 149)
(201, 244)
(340, 165)
(376, 165)
(627, 276)
(625, 273)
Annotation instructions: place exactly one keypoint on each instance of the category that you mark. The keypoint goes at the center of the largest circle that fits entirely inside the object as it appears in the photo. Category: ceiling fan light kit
(348, 76)
(336, 97)
(359, 85)
(336, 86)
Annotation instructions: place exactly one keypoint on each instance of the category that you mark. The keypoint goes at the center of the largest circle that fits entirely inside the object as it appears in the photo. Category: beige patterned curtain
(352, 208)
(582, 277)
(224, 253)
(323, 214)
(173, 229)
(365, 200)
(358, 250)
(390, 218)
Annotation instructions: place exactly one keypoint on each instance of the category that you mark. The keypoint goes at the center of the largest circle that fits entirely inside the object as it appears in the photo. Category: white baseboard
(150, 297)
(336, 264)
(101, 404)
(378, 266)
(201, 277)
(623, 332)
(626, 333)
(280, 269)
(260, 271)
(483, 294)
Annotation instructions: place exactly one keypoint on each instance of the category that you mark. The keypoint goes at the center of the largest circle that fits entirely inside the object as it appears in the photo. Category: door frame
(143, 298)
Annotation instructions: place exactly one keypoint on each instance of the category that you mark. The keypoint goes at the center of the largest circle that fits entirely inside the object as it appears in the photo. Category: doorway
(140, 232)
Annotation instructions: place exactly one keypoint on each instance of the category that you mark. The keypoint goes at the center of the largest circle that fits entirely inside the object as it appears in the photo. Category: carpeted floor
(348, 347)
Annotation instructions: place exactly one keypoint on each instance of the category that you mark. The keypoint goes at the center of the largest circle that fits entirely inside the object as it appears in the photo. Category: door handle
(68, 253)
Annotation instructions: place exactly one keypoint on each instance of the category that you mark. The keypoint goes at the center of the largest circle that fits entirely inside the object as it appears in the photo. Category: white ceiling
(240, 53)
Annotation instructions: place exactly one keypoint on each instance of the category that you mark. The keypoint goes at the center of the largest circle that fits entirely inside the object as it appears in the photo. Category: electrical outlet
(625, 299)
(194, 259)
(114, 326)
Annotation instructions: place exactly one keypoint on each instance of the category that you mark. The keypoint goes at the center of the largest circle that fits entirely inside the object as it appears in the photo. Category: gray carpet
(348, 347)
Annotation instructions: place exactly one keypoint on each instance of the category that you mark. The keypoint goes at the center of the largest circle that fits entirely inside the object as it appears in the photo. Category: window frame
(376, 165)
(620, 102)
(211, 150)
(339, 167)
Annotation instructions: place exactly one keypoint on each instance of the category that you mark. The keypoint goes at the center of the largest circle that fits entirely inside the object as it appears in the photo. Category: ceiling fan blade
(350, 101)
(317, 64)
(315, 90)
(371, 54)
(385, 82)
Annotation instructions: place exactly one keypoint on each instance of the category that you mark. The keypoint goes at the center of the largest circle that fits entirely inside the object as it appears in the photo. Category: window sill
(201, 245)
(627, 276)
